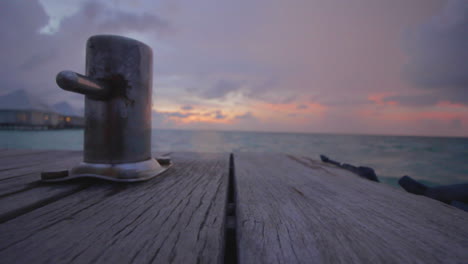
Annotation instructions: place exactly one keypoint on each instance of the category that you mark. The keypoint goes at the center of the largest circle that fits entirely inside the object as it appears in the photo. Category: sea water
(432, 160)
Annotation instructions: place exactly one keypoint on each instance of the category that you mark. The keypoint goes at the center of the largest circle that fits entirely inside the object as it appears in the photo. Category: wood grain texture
(20, 188)
(18, 165)
(15, 160)
(176, 217)
(19, 152)
(295, 210)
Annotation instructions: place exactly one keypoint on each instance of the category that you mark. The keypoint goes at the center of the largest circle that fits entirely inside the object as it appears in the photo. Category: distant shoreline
(27, 128)
(36, 128)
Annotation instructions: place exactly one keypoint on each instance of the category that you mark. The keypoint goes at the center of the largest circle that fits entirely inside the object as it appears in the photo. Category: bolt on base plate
(124, 172)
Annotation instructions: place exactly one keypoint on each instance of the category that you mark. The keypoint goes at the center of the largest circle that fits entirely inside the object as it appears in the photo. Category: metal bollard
(118, 87)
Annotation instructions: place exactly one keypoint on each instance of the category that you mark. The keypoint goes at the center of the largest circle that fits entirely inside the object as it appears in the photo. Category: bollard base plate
(124, 172)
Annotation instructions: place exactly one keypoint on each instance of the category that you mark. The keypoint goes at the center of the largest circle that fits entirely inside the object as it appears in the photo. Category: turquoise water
(432, 160)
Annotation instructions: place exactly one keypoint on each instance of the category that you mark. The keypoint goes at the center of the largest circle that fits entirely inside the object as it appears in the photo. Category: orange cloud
(200, 119)
(429, 115)
(182, 115)
(447, 104)
(378, 99)
(185, 117)
(294, 108)
(404, 115)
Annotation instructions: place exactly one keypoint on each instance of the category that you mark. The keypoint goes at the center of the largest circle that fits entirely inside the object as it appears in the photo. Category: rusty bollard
(118, 88)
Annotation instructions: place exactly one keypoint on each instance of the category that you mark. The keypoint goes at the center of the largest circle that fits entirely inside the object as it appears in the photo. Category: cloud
(30, 60)
(19, 23)
(106, 18)
(161, 120)
(246, 115)
(169, 117)
(219, 115)
(178, 114)
(456, 123)
(186, 107)
(301, 107)
(413, 100)
(37, 60)
(221, 89)
(439, 56)
(430, 98)
(279, 56)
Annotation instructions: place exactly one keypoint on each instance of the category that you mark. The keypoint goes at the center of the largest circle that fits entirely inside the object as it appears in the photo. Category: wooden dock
(220, 208)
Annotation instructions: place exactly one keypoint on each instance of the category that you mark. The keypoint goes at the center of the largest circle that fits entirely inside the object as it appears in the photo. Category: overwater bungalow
(19, 110)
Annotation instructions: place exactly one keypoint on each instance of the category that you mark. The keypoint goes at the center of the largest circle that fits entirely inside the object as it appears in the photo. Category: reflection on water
(432, 160)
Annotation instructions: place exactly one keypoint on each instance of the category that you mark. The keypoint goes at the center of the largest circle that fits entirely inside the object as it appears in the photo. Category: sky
(316, 66)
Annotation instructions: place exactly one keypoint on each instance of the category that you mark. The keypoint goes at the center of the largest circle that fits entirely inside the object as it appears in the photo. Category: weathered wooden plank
(25, 200)
(17, 180)
(10, 158)
(21, 190)
(291, 210)
(19, 152)
(20, 164)
(43, 161)
(176, 217)
(57, 160)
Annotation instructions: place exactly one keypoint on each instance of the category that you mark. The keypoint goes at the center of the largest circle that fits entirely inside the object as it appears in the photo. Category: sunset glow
(392, 67)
